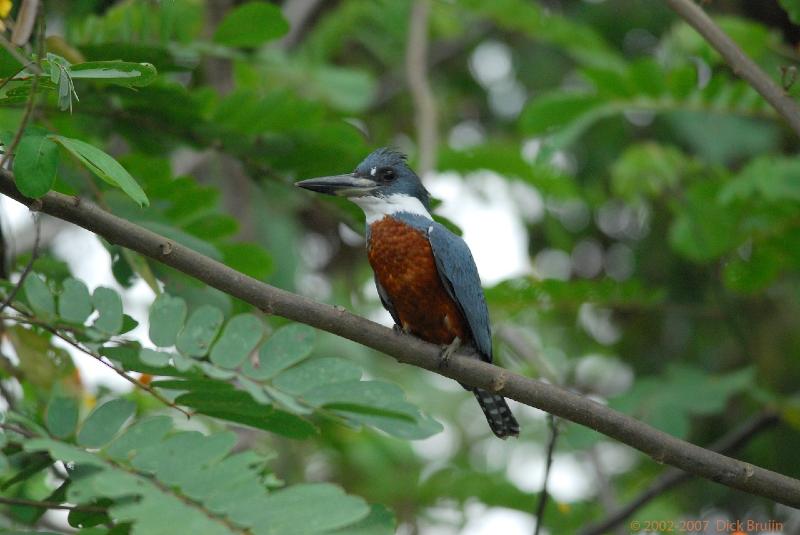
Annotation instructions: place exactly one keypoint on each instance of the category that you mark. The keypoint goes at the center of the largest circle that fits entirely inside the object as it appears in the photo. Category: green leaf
(314, 373)
(39, 296)
(239, 338)
(375, 403)
(237, 406)
(213, 227)
(129, 357)
(167, 315)
(508, 160)
(104, 166)
(155, 479)
(139, 436)
(119, 72)
(9, 65)
(181, 454)
(249, 258)
(668, 401)
(288, 509)
(773, 179)
(35, 164)
(703, 229)
(380, 521)
(649, 169)
(286, 347)
(521, 293)
(109, 305)
(754, 273)
(580, 41)
(555, 110)
(75, 302)
(251, 24)
(154, 358)
(196, 337)
(105, 422)
(465, 484)
(61, 416)
(792, 7)
(40, 362)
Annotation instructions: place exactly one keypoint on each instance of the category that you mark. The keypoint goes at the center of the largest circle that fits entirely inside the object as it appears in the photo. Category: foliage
(654, 192)
(146, 472)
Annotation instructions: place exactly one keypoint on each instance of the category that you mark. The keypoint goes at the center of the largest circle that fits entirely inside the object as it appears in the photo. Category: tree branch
(425, 113)
(672, 478)
(660, 446)
(742, 65)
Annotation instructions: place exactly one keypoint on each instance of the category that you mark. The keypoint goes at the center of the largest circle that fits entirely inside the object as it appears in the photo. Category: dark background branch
(672, 478)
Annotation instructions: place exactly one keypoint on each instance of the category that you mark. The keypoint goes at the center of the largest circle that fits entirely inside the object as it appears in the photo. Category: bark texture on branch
(741, 64)
(663, 448)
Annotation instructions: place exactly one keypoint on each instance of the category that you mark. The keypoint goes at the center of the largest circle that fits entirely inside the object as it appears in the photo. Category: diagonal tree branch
(407, 349)
(741, 64)
(672, 478)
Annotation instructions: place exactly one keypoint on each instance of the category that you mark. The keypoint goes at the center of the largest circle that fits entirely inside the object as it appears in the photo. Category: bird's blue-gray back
(459, 276)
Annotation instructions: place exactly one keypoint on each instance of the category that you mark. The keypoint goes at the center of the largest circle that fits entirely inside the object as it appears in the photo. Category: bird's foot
(447, 352)
(397, 329)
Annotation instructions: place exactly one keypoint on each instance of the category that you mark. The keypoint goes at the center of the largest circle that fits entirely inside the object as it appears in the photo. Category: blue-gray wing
(460, 278)
(387, 303)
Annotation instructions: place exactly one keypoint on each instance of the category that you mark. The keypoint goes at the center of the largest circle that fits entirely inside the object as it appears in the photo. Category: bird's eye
(388, 174)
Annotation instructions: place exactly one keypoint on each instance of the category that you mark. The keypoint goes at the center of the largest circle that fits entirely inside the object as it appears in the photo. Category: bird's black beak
(341, 185)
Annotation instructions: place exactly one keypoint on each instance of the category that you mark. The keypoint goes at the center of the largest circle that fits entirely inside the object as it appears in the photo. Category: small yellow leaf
(5, 9)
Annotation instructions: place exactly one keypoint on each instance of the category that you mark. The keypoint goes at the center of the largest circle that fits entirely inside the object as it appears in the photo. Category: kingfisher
(425, 275)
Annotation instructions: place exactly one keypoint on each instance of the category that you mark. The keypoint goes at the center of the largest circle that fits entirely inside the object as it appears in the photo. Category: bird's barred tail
(497, 413)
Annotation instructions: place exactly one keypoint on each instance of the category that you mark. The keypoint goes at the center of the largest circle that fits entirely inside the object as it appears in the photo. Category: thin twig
(662, 447)
(26, 63)
(52, 505)
(393, 83)
(552, 426)
(425, 113)
(34, 253)
(741, 64)
(730, 442)
(77, 345)
(5, 81)
(29, 106)
(20, 431)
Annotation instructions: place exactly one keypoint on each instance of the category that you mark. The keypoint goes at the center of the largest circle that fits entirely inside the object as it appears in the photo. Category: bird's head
(381, 184)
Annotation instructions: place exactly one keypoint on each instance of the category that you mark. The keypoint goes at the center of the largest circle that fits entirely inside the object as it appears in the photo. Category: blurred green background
(633, 207)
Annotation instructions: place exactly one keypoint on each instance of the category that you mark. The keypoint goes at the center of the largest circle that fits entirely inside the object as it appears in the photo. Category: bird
(425, 274)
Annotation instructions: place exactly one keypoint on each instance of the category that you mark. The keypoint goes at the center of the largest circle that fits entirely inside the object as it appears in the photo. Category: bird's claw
(397, 329)
(447, 352)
